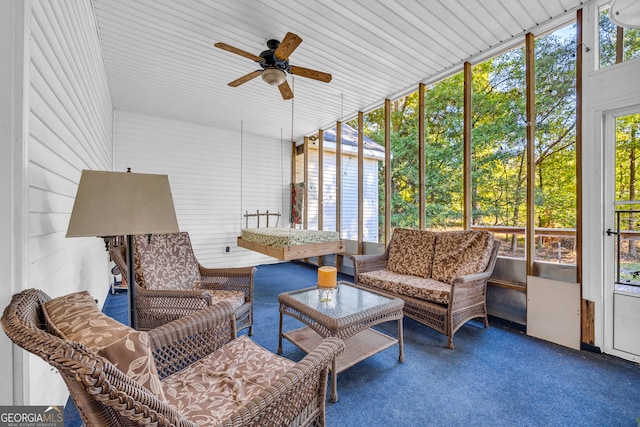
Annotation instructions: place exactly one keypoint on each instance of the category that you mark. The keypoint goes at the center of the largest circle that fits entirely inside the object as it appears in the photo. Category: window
(374, 164)
(555, 167)
(616, 44)
(404, 165)
(499, 146)
(444, 128)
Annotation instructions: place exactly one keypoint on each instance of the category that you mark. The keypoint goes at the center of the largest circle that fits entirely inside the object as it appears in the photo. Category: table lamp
(123, 204)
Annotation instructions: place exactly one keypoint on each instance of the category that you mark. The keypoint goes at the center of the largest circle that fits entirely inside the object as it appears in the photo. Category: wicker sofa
(189, 372)
(441, 276)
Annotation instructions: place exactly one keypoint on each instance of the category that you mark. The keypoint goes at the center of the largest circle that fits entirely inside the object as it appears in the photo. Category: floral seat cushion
(408, 285)
(235, 298)
(213, 388)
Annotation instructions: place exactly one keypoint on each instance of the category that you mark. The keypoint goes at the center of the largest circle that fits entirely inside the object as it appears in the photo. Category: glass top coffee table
(347, 312)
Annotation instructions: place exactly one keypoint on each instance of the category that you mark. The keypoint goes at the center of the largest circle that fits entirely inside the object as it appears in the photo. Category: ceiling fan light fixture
(274, 76)
(625, 13)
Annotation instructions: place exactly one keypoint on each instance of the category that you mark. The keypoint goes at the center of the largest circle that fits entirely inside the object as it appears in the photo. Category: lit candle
(327, 277)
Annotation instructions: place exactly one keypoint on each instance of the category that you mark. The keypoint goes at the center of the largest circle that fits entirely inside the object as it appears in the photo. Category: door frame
(608, 213)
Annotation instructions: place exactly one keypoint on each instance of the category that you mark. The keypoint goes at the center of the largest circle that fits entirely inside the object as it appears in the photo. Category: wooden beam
(587, 323)
(506, 284)
(579, 59)
(294, 155)
(466, 149)
(619, 45)
(530, 150)
(422, 206)
(387, 171)
(339, 177)
(360, 180)
(306, 183)
(320, 178)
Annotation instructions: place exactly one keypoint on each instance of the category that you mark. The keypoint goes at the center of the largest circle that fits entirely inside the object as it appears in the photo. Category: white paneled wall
(67, 125)
(215, 176)
(349, 204)
(70, 129)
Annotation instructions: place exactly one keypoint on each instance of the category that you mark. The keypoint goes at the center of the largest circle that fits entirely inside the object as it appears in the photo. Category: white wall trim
(606, 90)
(14, 24)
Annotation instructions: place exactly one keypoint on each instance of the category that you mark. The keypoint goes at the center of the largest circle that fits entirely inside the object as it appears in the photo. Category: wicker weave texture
(467, 298)
(105, 396)
(155, 307)
(348, 328)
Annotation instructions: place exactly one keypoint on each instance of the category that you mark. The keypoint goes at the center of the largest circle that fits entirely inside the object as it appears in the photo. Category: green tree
(555, 131)
(498, 143)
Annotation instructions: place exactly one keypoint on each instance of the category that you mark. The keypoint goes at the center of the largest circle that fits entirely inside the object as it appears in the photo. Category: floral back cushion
(411, 252)
(166, 261)
(77, 317)
(458, 253)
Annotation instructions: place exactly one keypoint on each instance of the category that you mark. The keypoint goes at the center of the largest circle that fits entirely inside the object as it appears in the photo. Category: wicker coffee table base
(357, 348)
(361, 341)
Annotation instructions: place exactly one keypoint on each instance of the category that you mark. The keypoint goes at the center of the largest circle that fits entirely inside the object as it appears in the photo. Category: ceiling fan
(275, 64)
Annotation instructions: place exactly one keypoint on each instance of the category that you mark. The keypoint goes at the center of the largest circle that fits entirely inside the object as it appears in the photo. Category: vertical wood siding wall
(69, 129)
(215, 176)
(349, 203)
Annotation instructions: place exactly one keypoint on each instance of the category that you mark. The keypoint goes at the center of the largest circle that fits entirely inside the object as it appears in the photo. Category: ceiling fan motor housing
(270, 60)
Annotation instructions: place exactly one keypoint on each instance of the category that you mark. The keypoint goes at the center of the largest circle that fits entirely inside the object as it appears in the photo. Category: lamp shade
(122, 203)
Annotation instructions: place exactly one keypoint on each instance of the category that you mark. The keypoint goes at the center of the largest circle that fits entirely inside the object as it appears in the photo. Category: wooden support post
(619, 44)
(360, 180)
(387, 171)
(579, 58)
(467, 209)
(306, 184)
(422, 206)
(530, 150)
(339, 177)
(294, 179)
(320, 178)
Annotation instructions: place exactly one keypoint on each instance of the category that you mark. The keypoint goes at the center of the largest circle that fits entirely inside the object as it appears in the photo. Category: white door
(622, 247)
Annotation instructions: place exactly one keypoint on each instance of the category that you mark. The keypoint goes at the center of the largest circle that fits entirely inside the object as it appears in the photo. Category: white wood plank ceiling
(161, 61)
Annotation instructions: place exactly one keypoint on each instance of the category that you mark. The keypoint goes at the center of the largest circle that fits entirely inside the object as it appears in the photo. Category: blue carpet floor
(494, 377)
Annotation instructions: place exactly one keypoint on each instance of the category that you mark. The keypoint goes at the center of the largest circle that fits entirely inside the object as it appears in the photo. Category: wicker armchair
(171, 283)
(106, 396)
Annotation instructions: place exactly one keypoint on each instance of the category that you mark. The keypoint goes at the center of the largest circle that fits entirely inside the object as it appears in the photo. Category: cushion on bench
(411, 286)
(235, 298)
(458, 253)
(411, 252)
(78, 318)
(214, 387)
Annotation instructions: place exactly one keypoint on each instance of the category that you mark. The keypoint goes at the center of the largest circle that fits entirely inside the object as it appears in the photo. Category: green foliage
(608, 39)
(627, 156)
(499, 125)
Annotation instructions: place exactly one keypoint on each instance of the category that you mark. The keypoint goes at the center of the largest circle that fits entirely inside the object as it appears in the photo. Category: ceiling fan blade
(285, 90)
(312, 74)
(245, 78)
(288, 44)
(237, 51)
